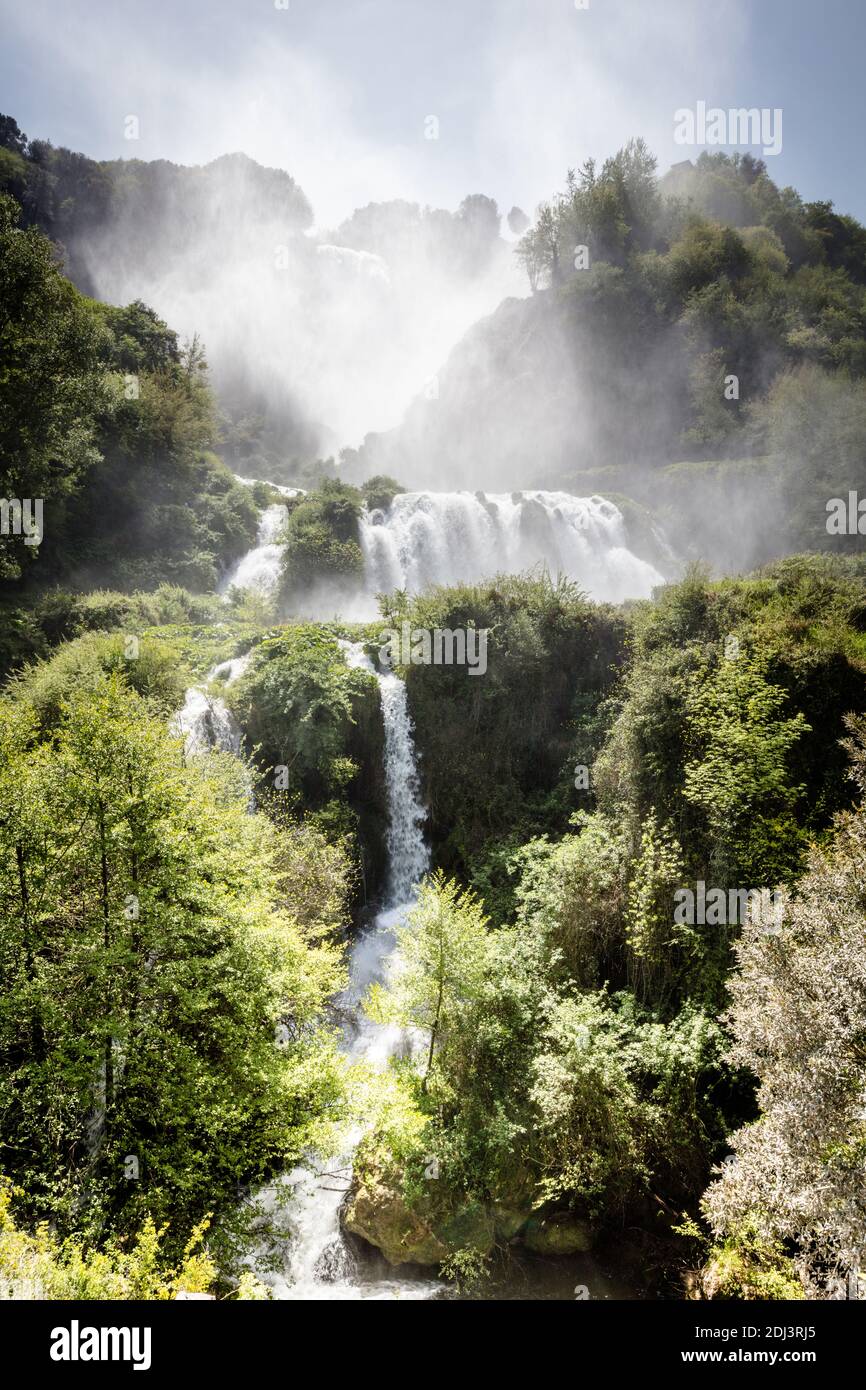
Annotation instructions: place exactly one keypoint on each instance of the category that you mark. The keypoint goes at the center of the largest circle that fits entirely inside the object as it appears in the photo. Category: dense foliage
(577, 1068)
(799, 1001)
(315, 729)
(499, 751)
(322, 551)
(575, 1073)
(152, 946)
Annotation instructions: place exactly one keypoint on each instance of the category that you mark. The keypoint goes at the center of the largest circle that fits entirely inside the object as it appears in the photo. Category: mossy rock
(425, 1233)
(508, 1221)
(470, 1227)
(514, 1201)
(377, 1211)
(561, 1234)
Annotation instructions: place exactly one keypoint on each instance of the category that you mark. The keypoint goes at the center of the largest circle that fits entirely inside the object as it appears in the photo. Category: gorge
(415, 626)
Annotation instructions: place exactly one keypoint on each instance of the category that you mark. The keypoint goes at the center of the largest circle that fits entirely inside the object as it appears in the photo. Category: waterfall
(205, 721)
(428, 538)
(408, 859)
(282, 488)
(317, 1264)
(259, 569)
(408, 856)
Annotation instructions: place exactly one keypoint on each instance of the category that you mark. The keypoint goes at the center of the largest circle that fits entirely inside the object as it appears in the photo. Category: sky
(340, 92)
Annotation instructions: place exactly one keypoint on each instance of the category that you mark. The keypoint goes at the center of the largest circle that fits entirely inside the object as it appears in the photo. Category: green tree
(654, 940)
(798, 1018)
(572, 893)
(739, 772)
(50, 377)
(442, 953)
(160, 1000)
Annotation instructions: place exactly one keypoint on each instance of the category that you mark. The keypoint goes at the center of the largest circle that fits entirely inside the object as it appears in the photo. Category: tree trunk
(106, 937)
(435, 1028)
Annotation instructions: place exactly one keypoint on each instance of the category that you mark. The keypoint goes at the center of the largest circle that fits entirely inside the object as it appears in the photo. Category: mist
(326, 341)
(321, 195)
(323, 344)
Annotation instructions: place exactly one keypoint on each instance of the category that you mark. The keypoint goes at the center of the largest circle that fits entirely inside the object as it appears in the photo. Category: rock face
(380, 1215)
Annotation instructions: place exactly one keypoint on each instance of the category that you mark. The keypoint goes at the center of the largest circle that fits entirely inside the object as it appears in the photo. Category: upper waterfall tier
(428, 538)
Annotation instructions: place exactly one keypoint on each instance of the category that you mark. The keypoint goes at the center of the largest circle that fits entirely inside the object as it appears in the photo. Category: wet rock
(336, 1262)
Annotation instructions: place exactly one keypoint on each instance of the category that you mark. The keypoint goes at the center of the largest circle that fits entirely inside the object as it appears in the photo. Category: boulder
(378, 1213)
(508, 1221)
(560, 1234)
(425, 1233)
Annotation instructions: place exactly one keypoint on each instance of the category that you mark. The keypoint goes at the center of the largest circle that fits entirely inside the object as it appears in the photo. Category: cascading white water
(408, 858)
(427, 538)
(408, 855)
(259, 569)
(317, 1262)
(205, 721)
(278, 487)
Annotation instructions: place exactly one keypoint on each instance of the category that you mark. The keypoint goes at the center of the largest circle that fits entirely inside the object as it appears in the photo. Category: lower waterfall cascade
(316, 1260)
(205, 721)
(300, 1251)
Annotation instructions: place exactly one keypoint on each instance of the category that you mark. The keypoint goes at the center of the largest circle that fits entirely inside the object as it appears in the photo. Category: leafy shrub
(82, 665)
(380, 491)
(41, 1266)
(322, 543)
